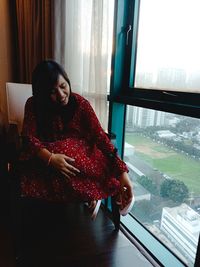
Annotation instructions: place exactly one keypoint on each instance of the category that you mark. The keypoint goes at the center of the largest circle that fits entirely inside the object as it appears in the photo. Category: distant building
(173, 121)
(144, 80)
(182, 226)
(143, 117)
(165, 134)
(197, 146)
(193, 82)
(198, 136)
(171, 79)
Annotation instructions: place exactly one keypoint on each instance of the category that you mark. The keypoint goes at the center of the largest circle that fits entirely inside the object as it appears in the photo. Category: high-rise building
(182, 226)
(142, 117)
(172, 79)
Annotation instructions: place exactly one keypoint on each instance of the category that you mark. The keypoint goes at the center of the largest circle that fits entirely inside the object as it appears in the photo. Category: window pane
(168, 53)
(162, 151)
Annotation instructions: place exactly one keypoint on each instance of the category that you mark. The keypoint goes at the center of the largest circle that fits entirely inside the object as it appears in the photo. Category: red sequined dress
(86, 142)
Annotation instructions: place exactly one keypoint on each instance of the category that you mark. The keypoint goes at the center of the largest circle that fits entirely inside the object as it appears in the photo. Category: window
(154, 112)
(168, 52)
(162, 152)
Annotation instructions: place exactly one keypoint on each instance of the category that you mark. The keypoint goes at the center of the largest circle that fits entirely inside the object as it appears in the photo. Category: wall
(6, 55)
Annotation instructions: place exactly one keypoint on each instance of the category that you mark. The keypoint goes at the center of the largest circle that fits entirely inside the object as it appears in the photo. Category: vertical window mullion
(116, 110)
(134, 42)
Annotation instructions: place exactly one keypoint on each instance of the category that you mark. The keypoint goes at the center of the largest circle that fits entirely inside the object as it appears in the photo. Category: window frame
(122, 93)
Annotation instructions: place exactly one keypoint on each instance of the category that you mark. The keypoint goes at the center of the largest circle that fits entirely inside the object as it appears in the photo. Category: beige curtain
(34, 34)
(83, 45)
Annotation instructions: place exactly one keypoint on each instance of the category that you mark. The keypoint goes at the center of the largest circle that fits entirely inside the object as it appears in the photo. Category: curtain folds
(77, 34)
(34, 29)
(83, 45)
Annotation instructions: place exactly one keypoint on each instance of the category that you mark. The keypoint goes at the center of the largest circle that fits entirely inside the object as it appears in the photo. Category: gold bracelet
(49, 160)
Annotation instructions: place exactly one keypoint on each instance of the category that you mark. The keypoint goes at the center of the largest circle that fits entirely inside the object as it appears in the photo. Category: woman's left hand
(126, 190)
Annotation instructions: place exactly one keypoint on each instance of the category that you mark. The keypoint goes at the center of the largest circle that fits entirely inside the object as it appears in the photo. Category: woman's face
(60, 92)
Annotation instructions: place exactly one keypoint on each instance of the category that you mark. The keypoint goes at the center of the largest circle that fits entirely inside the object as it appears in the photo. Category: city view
(168, 79)
(162, 151)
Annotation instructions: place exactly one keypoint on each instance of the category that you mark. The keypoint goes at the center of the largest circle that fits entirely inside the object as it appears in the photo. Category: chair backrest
(17, 94)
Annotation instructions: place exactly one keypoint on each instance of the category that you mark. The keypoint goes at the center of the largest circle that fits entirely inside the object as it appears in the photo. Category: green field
(167, 161)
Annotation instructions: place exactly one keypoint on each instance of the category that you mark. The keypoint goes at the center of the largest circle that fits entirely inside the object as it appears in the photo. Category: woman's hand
(126, 190)
(62, 163)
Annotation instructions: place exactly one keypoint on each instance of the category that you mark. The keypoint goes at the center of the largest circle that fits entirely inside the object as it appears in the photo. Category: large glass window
(155, 93)
(162, 151)
(168, 53)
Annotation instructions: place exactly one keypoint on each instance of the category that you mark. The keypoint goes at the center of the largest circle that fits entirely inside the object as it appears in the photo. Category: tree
(175, 190)
(186, 125)
(147, 183)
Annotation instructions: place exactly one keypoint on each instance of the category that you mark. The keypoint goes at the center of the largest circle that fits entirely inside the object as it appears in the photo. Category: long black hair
(44, 78)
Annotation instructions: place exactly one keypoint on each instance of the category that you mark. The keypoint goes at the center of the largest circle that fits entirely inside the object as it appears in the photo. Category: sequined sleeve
(99, 137)
(29, 132)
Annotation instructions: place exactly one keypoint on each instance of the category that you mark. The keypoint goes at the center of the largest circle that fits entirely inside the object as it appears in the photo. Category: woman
(67, 156)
